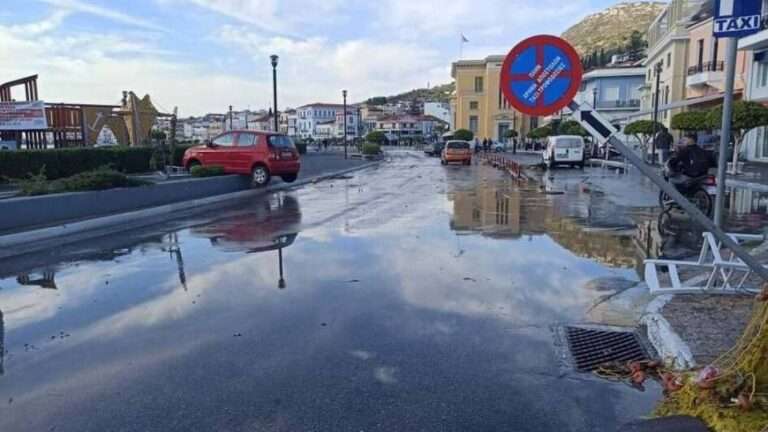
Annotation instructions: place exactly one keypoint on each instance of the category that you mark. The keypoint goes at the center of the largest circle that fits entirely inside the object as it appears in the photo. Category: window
(715, 48)
(478, 84)
(246, 140)
(226, 140)
(610, 94)
(473, 105)
(280, 141)
(669, 60)
(473, 124)
(761, 79)
(700, 58)
(666, 95)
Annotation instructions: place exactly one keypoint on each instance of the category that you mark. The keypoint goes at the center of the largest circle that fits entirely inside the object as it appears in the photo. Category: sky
(204, 55)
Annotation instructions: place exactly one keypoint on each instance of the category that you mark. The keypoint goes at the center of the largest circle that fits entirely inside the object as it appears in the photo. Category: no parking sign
(541, 75)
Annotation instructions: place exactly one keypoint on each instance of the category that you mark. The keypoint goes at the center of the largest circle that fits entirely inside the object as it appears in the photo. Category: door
(242, 155)
(502, 129)
(216, 154)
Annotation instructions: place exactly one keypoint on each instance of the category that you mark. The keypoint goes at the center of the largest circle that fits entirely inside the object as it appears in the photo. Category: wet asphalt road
(413, 297)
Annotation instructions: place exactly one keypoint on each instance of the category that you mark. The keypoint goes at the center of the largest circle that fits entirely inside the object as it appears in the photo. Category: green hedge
(99, 179)
(206, 171)
(61, 163)
(371, 149)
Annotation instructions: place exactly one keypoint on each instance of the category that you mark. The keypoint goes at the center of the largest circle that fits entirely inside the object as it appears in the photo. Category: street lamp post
(594, 97)
(274, 58)
(344, 95)
(657, 70)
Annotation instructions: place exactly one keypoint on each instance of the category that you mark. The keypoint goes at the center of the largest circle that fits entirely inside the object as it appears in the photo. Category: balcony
(627, 104)
(704, 74)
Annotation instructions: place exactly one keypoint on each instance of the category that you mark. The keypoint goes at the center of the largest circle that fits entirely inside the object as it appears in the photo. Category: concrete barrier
(23, 213)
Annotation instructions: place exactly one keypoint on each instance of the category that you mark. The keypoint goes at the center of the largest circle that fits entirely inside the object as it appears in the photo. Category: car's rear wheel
(260, 175)
(290, 178)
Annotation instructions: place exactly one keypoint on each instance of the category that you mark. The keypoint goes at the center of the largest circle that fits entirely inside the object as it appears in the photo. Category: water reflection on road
(416, 297)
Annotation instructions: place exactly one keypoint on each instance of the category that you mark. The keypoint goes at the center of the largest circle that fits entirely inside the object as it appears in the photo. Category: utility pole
(657, 71)
(725, 135)
(172, 138)
(273, 59)
(230, 118)
(344, 95)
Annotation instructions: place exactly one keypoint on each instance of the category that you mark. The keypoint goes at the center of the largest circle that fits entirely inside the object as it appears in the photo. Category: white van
(564, 150)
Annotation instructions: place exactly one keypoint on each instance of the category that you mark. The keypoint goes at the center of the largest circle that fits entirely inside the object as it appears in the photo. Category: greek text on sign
(540, 75)
(18, 116)
(737, 18)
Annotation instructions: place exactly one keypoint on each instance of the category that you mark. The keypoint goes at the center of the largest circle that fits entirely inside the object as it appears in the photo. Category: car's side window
(246, 140)
(226, 140)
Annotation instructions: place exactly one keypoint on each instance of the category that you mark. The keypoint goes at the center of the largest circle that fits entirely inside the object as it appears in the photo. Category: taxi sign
(737, 18)
(541, 75)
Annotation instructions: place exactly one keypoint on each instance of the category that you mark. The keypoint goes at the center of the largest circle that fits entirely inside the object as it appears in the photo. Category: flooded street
(405, 297)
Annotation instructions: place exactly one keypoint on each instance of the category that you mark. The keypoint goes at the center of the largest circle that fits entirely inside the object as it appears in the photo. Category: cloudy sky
(203, 55)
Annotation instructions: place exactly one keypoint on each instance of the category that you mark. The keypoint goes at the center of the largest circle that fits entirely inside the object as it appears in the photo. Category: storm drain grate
(591, 348)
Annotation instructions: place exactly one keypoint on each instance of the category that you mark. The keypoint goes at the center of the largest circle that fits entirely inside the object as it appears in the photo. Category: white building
(440, 110)
(310, 116)
(353, 123)
(755, 147)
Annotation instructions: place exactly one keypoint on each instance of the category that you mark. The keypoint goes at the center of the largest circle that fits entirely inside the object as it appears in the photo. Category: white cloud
(43, 26)
(111, 14)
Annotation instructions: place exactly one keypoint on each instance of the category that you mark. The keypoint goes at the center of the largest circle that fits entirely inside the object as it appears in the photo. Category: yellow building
(668, 42)
(478, 104)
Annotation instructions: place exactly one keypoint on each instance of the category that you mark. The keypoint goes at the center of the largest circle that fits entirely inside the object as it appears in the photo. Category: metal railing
(717, 66)
(628, 103)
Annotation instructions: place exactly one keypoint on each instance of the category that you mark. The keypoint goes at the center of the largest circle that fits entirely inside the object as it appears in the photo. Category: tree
(572, 127)
(690, 121)
(376, 137)
(511, 134)
(378, 100)
(463, 134)
(157, 135)
(642, 130)
(747, 115)
(540, 132)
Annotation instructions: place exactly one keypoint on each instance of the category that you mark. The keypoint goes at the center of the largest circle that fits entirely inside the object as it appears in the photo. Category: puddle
(448, 291)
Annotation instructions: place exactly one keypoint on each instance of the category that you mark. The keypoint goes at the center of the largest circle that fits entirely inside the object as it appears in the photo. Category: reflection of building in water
(46, 280)
(510, 213)
(606, 248)
(489, 210)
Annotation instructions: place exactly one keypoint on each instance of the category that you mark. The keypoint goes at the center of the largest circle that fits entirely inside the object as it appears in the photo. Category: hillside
(439, 93)
(611, 28)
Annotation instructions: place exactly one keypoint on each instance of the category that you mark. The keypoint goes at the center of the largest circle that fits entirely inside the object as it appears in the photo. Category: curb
(43, 238)
(668, 344)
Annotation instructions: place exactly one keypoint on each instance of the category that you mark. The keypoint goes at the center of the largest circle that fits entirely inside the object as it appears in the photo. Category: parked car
(564, 150)
(456, 151)
(434, 149)
(261, 155)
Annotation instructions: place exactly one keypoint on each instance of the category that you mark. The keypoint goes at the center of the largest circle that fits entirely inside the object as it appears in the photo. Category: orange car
(456, 151)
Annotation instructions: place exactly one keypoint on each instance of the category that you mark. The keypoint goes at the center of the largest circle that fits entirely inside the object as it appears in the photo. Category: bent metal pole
(689, 208)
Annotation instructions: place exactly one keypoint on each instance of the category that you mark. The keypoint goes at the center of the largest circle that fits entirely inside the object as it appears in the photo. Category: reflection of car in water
(269, 225)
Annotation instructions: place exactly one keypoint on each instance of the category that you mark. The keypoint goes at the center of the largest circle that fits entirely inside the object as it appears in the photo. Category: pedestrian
(485, 145)
(663, 144)
(514, 145)
(325, 144)
(477, 142)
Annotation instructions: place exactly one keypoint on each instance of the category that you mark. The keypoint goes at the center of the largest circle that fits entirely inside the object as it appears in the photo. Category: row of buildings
(324, 121)
(682, 51)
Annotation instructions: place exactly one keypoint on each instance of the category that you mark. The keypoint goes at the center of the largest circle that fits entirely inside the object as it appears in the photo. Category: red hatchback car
(258, 154)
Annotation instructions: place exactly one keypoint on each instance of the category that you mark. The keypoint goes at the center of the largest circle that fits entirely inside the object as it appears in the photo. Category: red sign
(541, 75)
